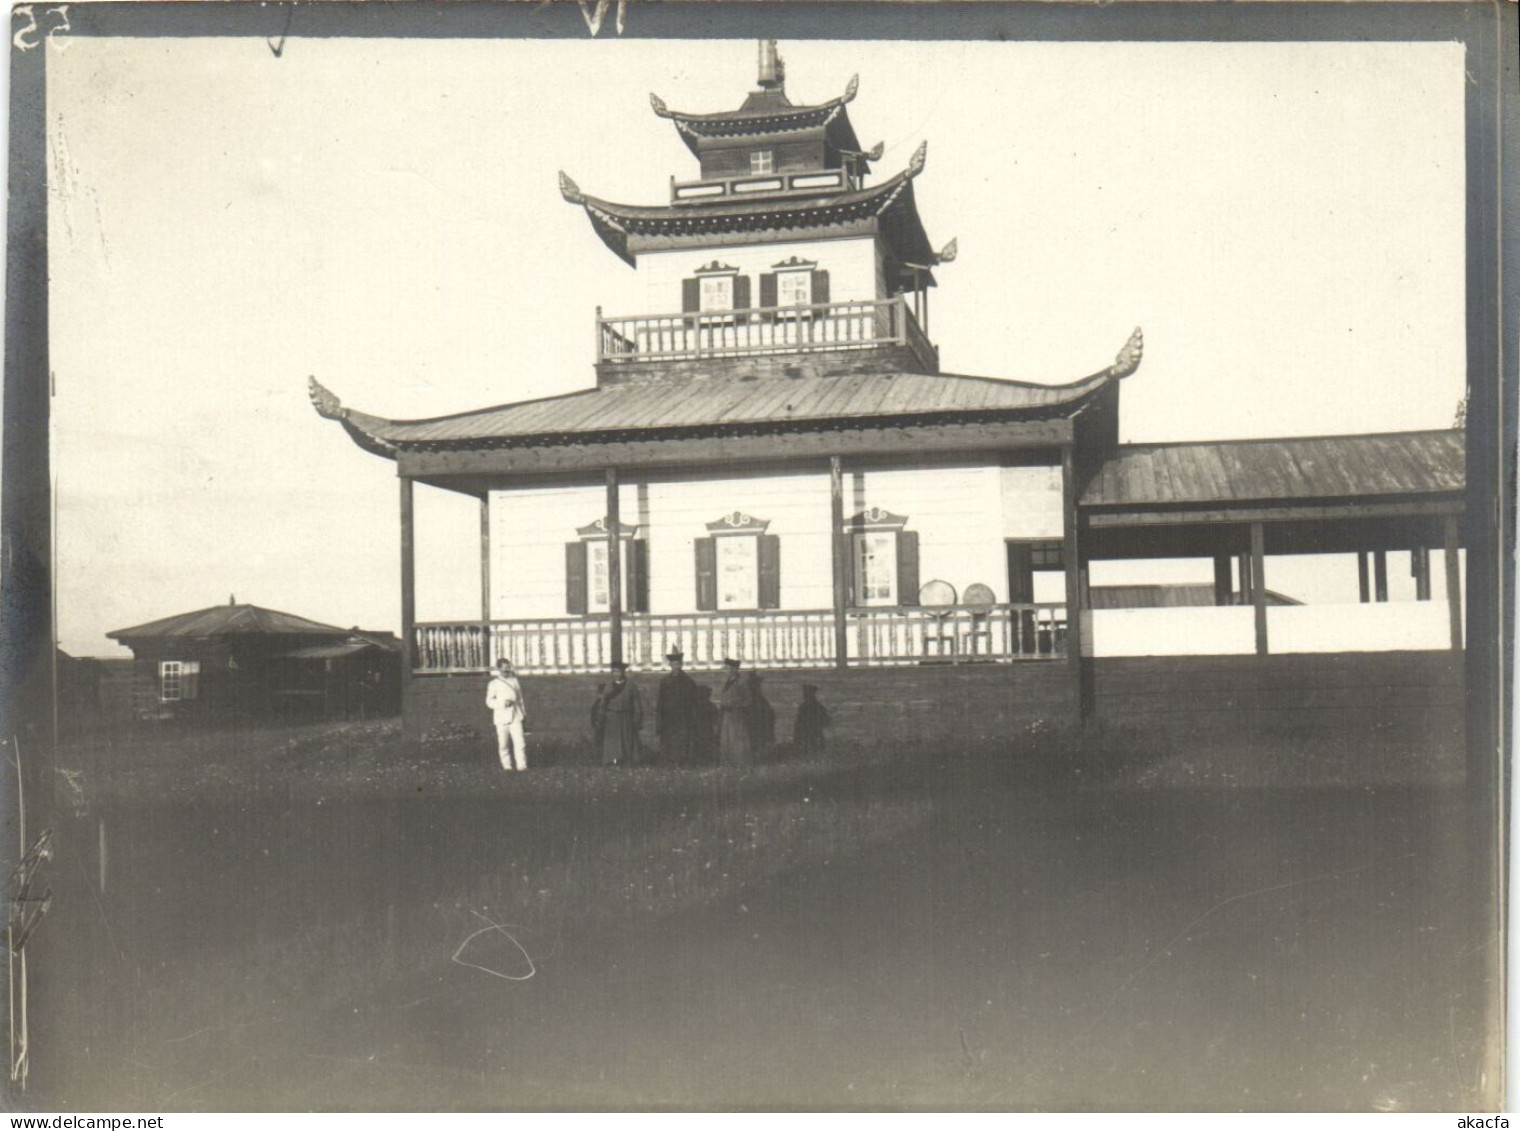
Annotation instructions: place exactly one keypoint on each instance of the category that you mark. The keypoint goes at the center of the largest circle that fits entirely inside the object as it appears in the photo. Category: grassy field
(323, 917)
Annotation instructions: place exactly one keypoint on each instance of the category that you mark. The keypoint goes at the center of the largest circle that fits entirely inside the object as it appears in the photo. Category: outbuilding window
(178, 679)
(762, 161)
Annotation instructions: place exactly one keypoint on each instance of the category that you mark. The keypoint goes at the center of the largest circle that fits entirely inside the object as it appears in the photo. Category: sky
(1285, 221)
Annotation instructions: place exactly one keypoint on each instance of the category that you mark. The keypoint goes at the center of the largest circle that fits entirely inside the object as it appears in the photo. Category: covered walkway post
(1453, 581)
(614, 567)
(1259, 585)
(841, 561)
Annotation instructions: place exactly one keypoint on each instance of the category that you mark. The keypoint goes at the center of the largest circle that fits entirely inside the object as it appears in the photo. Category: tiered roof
(704, 407)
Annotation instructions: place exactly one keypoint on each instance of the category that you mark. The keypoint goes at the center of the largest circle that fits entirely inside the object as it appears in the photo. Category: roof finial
(232, 598)
(570, 190)
(324, 401)
(772, 69)
(1129, 357)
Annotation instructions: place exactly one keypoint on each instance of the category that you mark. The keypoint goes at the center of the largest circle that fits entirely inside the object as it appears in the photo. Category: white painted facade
(1230, 630)
(853, 265)
(962, 514)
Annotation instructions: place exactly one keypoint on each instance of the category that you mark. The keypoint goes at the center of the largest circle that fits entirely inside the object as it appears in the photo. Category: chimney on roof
(232, 598)
(772, 69)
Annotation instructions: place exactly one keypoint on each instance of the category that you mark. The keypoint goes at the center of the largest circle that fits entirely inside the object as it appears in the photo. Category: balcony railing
(764, 330)
(876, 638)
(760, 185)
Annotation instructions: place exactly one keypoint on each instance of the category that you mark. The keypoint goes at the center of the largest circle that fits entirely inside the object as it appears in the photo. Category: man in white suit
(504, 695)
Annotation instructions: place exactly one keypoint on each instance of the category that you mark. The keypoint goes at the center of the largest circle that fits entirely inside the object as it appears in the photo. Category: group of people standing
(737, 730)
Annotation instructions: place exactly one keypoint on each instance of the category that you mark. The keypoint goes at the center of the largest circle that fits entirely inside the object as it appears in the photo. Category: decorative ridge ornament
(738, 523)
(876, 518)
(570, 190)
(1128, 359)
(851, 89)
(325, 401)
(916, 165)
(659, 105)
(948, 253)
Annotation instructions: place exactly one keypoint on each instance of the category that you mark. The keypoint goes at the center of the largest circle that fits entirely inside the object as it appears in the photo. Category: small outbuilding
(245, 663)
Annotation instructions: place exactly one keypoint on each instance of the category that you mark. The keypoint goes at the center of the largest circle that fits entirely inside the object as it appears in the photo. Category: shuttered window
(587, 573)
(738, 572)
(883, 569)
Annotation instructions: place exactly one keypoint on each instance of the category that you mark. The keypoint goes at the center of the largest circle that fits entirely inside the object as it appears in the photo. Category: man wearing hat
(812, 719)
(735, 732)
(675, 713)
(619, 713)
(504, 696)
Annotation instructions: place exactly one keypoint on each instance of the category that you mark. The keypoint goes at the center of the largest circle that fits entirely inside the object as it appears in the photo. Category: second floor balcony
(831, 327)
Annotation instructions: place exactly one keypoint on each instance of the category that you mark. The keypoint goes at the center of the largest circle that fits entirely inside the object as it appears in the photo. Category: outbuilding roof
(228, 620)
(669, 409)
(1317, 467)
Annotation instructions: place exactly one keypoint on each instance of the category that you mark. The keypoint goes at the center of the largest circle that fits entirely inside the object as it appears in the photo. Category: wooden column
(1245, 588)
(1380, 575)
(408, 607)
(841, 562)
(1259, 585)
(1453, 580)
(1223, 592)
(1363, 579)
(614, 567)
(1071, 550)
(485, 568)
(1419, 565)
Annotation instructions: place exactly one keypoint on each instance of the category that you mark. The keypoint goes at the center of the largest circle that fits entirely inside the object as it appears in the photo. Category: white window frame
(714, 290)
(751, 542)
(784, 279)
(596, 549)
(762, 161)
(863, 597)
(174, 676)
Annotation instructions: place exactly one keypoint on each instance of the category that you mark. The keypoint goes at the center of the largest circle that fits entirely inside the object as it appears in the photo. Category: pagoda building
(779, 248)
(771, 467)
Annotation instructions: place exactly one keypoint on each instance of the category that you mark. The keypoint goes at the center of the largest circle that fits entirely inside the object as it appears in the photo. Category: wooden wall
(1397, 701)
(851, 264)
(961, 511)
(1387, 707)
(968, 704)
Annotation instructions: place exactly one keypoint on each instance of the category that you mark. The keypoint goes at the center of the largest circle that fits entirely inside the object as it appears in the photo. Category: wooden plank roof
(706, 405)
(228, 620)
(1310, 467)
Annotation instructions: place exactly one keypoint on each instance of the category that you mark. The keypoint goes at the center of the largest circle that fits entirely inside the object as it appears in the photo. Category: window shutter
(907, 567)
(707, 573)
(575, 578)
(191, 687)
(691, 295)
(1020, 574)
(638, 576)
(820, 287)
(768, 289)
(741, 292)
(770, 571)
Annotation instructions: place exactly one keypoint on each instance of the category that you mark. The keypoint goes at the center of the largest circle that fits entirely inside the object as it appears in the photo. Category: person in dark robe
(762, 718)
(619, 713)
(676, 719)
(596, 721)
(736, 730)
(812, 719)
(706, 714)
